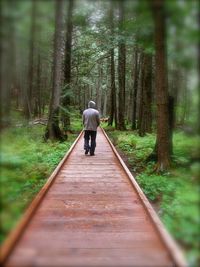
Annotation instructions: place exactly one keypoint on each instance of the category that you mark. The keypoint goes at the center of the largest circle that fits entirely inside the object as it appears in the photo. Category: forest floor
(27, 161)
(173, 194)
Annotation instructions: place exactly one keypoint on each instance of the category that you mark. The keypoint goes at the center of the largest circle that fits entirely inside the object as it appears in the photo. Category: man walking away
(91, 121)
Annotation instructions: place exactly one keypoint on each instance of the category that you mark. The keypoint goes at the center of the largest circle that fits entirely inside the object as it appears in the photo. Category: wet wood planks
(91, 216)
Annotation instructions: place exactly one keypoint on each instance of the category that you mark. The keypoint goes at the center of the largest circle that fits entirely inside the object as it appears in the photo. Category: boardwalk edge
(166, 238)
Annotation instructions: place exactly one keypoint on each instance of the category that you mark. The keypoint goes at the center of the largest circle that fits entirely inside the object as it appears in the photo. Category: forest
(139, 61)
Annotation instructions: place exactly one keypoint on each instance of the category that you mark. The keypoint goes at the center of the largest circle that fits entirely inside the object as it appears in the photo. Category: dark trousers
(90, 146)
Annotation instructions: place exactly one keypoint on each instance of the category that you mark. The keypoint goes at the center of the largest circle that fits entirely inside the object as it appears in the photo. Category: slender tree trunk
(8, 79)
(3, 86)
(29, 94)
(105, 97)
(39, 87)
(145, 116)
(135, 88)
(163, 137)
(141, 103)
(98, 90)
(112, 73)
(130, 97)
(53, 131)
(105, 104)
(67, 68)
(149, 97)
(113, 89)
(121, 72)
(1, 49)
(198, 84)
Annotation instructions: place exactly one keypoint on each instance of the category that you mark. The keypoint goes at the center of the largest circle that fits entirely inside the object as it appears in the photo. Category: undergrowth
(175, 193)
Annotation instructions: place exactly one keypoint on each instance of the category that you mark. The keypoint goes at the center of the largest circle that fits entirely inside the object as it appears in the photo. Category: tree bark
(121, 72)
(112, 75)
(39, 96)
(163, 137)
(135, 88)
(198, 84)
(28, 100)
(67, 68)
(146, 96)
(53, 131)
(99, 89)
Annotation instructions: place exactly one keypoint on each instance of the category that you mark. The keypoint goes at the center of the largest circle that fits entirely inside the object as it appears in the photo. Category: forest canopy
(93, 29)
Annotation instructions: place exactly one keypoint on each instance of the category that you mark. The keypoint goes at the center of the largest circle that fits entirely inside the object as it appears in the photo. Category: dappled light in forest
(139, 61)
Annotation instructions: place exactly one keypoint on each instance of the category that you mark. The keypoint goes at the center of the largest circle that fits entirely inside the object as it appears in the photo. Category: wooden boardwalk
(93, 214)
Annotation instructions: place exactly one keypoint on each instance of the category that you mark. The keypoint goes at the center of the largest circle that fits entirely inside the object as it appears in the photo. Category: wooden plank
(91, 257)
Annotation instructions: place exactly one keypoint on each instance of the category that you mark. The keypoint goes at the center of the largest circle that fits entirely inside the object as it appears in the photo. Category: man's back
(91, 119)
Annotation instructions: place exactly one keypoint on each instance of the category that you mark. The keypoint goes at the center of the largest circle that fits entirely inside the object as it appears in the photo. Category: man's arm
(98, 119)
(83, 119)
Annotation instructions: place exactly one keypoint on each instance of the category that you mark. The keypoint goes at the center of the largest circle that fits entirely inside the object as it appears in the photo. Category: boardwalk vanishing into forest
(91, 212)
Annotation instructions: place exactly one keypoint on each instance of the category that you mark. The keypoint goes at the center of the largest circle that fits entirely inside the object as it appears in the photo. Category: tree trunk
(8, 76)
(146, 96)
(98, 91)
(112, 73)
(29, 94)
(163, 137)
(135, 88)
(53, 131)
(39, 108)
(121, 72)
(149, 97)
(140, 94)
(198, 84)
(67, 68)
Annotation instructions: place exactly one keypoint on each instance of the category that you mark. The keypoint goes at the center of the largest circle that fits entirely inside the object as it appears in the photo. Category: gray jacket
(91, 119)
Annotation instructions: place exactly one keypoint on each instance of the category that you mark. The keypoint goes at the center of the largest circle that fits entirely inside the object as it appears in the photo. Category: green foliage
(175, 192)
(26, 162)
(153, 185)
(76, 121)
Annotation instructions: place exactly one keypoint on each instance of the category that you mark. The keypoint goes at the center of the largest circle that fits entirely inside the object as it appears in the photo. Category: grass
(175, 192)
(26, 162)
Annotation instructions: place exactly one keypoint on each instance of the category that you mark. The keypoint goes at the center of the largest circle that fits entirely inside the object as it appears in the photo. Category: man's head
(91, 104)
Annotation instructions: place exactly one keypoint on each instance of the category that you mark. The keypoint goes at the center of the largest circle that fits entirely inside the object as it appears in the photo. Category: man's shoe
(86, 152)
(92, 154)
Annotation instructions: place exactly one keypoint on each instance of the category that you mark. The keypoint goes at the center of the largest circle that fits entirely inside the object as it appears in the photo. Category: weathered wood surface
(91, 216)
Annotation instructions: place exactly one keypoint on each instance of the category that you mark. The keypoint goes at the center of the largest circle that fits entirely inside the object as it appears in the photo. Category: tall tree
(145, 116)
(99, 86)
(113, 110)
(135, 88)
(67, 67)
(29, 93)
(198, 70)
(121, 70)
(38, 99)
(53, 131)
(163, 138)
